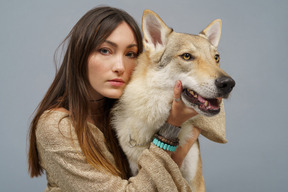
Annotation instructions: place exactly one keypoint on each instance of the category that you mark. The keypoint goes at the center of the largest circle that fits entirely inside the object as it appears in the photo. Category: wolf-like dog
(145, 104)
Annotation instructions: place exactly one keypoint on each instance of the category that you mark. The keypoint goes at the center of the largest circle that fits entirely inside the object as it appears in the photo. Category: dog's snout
(225, 84)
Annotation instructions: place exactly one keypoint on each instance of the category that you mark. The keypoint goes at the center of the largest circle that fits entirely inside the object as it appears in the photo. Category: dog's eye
(217, 58)
(187, 56)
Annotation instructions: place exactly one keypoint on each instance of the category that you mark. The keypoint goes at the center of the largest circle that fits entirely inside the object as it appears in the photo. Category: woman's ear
(155, 31)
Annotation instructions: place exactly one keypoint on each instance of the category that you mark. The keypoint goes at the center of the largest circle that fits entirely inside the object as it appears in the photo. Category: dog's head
(193, 59)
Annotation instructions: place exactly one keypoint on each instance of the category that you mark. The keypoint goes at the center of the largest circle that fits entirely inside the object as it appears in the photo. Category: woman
(70, 135)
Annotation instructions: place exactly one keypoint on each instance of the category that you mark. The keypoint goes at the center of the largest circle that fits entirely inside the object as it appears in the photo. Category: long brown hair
(70, 89)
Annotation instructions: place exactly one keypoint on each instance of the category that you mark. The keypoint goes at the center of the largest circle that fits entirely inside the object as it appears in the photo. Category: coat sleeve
(67, 169)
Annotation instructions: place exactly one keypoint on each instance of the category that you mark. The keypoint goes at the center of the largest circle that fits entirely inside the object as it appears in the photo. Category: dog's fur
(146, 101)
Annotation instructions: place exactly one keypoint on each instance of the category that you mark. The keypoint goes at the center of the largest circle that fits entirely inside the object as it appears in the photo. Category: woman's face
(111, 65)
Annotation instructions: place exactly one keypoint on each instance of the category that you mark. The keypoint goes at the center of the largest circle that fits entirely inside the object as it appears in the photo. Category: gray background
(253, 50)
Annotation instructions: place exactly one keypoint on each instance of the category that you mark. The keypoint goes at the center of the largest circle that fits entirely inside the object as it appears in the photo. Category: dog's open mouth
(211, 106)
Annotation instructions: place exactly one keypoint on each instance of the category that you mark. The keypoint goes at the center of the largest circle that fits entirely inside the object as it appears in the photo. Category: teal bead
(155, 141)
(174, 148)
(159, 143)
(165, 146)
(161, 146)
(168, 147)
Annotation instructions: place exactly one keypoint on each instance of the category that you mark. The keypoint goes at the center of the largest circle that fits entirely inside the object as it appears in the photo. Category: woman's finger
(177, 91)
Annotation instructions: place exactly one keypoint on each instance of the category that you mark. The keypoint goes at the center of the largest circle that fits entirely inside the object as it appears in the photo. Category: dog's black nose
(225, 84)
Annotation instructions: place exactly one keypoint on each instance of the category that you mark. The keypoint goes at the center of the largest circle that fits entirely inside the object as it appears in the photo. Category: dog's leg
(133, 167)
(192, 169)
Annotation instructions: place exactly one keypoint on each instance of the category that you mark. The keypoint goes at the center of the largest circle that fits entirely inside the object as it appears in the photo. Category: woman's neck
(96, 111)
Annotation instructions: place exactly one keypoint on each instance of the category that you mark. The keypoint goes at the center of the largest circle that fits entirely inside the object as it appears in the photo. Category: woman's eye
(132, 55)
(187, 56)
(104, 51)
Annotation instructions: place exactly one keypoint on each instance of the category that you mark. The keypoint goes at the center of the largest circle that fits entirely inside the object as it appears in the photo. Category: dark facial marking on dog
(163, 61)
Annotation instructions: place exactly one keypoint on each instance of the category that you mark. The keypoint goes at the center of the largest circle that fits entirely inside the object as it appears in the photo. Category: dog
(146, 102)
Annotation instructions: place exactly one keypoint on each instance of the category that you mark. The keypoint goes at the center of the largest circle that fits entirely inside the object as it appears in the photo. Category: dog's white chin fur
(212, 127)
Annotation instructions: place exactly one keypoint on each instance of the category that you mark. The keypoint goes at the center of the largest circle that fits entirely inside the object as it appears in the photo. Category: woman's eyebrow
(115, 45)
(132, 45)
(111, 43)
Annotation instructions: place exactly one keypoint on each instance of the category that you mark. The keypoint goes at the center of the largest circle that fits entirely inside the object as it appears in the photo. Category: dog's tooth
(191, 92)
(206, 103)
(219, 101)
(194, 94)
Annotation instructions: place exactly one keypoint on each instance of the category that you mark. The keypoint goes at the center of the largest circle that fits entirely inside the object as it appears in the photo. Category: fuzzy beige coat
(67, 169)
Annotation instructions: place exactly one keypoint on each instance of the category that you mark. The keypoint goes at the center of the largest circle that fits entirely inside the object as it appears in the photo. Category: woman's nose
(119, 65)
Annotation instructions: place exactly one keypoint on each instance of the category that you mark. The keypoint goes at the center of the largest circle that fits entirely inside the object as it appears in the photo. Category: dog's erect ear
(155, 31)
(213, 32)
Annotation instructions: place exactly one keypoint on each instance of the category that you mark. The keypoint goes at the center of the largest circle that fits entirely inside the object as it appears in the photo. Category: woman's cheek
(131, 69)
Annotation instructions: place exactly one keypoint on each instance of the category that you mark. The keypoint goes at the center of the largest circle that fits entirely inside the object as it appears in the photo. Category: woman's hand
(179, 112)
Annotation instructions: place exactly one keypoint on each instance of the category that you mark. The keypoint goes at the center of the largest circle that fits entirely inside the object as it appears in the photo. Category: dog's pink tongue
(201, 99)
(212, 103)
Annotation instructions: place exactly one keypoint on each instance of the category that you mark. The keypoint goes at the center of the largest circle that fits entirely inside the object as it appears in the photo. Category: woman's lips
(116, 82)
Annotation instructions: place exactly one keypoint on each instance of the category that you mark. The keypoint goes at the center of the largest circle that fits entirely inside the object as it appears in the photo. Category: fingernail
(178, 84)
